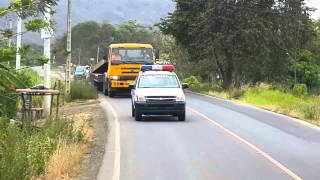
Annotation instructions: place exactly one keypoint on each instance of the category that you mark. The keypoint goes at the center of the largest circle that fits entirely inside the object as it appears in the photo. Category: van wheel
(138, 116)
(182, 116)
(132, 110)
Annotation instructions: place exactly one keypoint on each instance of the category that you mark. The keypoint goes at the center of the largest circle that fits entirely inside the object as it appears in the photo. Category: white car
(158, 91)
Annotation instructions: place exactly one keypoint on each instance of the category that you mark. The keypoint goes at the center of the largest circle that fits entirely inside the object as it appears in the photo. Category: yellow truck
(121, 66)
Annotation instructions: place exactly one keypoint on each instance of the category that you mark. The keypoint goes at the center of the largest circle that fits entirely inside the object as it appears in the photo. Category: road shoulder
(238, 103)
(93, 159)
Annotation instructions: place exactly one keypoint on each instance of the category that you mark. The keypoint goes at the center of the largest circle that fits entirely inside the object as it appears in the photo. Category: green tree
(242, 41)
(28, 10)
(88, 36)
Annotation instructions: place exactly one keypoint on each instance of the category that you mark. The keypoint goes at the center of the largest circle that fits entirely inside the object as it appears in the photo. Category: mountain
(144, 11)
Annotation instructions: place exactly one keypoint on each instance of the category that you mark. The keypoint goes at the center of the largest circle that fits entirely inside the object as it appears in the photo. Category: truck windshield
(132, 56)
(158, 81)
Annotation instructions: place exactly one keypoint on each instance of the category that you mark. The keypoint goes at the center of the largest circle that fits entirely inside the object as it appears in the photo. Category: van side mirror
(185, 86)
(132, 86)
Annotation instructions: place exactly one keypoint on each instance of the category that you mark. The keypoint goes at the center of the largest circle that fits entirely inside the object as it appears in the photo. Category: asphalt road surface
(219, 140)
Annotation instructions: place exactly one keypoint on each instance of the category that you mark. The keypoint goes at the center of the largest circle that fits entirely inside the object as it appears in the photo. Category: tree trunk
(227, 75)
(237, 82)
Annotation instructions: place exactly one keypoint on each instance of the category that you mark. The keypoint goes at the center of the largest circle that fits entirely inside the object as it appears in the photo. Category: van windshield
(132, 56)
(80, 69)
(158, 81)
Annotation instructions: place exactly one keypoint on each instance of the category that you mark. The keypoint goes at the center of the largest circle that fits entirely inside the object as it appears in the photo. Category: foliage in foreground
(24, 153)
(82, 90)
(8, 101)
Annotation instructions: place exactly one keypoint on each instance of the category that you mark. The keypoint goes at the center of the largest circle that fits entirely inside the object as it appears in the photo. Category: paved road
(219, 140)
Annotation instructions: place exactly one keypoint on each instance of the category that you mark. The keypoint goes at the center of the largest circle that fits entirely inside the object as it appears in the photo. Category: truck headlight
(140, 99)
(114, 77)
(180, 99)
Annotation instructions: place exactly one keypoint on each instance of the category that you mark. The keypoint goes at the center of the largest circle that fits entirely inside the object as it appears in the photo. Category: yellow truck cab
(123, 66)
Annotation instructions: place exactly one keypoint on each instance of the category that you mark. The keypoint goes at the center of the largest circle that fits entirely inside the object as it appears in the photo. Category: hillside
(144, 11)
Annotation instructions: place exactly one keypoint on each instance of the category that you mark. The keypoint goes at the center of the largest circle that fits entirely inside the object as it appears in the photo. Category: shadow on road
(170, 119)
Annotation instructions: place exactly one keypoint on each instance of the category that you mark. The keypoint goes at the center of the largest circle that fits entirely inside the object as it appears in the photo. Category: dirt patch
(93, 160)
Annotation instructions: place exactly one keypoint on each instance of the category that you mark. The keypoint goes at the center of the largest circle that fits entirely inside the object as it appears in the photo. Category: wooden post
(57, 110)
(24, 109)
(30, 107)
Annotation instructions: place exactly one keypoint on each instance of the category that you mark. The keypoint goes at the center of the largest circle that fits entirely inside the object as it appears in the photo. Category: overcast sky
(315, 4)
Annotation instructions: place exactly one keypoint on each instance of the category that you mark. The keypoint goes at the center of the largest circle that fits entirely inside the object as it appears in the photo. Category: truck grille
(160, 99)
(127, 78)
(130, 70)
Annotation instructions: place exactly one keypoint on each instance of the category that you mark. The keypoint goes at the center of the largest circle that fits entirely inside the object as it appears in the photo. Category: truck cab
(123, 66)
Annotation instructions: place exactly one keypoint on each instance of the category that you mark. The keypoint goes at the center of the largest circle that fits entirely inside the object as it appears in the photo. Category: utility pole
(19, 31)
(98, 54)
(10, 27)
(46, 36)
(79, 57)
(68, 63)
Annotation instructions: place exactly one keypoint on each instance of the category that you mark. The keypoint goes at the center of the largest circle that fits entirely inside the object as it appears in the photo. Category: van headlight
(180, 99)
(140, 98)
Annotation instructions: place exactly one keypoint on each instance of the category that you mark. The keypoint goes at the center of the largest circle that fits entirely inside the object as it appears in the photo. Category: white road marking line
(301, 122)
(255, 148)
(117, 147)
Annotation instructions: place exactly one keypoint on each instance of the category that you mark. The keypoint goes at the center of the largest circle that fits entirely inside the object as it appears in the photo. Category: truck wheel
(110, 93)
(132, 110)
(105, 91)
(138, 116)
(182, 116)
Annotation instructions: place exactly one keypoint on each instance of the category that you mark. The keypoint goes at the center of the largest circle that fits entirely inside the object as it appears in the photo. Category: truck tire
(109, 92)
(105, 91)
(138, 116)
(182, 116)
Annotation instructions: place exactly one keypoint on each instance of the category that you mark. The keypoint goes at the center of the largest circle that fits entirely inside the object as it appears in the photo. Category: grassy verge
(54, 150)
(305, 107)
(82, 90)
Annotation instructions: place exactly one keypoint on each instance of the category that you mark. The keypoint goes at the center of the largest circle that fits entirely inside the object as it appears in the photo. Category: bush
(311, 111)
(24, 152)
(82, 90)
(8, 102)
(300, 90)
(235, 93)
(193, 82)
(30, 77)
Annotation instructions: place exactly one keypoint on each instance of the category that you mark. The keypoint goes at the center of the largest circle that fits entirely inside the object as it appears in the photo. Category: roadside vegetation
(51, 151)
(295, 102)
(82, 90)
(272, 62)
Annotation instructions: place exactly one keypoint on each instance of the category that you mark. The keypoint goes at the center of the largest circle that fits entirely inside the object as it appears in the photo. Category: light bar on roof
(157, 68)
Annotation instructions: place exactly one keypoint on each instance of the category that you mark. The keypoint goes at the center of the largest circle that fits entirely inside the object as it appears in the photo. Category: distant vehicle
(120, 67)
(80, 73)
(158, 91)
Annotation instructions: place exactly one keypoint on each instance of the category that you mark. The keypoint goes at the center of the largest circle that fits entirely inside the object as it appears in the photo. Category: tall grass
(82, 90)
(304, 107)
(25, 152)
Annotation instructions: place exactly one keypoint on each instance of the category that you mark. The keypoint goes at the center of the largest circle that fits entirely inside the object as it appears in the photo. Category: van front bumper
(160, 109)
